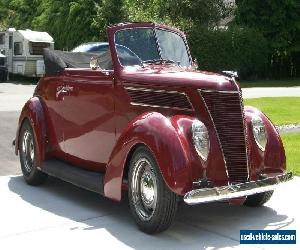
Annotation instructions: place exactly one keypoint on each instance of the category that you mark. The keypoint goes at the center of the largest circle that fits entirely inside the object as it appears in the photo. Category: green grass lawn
(271, 83)
(291, 143)
(281, 110)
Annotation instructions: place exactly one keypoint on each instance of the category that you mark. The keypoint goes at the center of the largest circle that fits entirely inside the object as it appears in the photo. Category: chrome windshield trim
(203, 195)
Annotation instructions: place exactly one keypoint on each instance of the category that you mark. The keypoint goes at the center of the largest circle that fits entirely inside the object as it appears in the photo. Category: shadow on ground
(210, 225)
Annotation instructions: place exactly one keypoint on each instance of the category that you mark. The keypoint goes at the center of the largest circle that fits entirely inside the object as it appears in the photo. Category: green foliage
(264, 42)
(242, 49)
(279, 22)
(291, 142)
(108, 12)
(280, 110)
(70, 22)
(17, 12)
(205, 13)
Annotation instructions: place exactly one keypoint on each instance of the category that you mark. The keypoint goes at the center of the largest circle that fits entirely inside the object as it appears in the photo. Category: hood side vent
(159, 98)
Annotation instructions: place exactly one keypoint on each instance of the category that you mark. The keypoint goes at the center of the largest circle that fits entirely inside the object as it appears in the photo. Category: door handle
(61, 90)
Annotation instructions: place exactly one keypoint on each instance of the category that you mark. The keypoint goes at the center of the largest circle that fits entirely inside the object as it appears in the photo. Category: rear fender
(169, 147)
(33, 111)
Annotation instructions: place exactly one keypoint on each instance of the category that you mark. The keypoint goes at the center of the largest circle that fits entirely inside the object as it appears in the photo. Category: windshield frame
(154, 28)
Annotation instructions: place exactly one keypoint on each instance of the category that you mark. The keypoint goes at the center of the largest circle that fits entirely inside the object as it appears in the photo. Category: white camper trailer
(24, 51)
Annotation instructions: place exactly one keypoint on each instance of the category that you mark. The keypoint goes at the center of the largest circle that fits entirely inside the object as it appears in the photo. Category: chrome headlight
(259, 132)
(200, 139)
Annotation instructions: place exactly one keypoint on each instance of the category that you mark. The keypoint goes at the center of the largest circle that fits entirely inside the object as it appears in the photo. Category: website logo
(267, 236)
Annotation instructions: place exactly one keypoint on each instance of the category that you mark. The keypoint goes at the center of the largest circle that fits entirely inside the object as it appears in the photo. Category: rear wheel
(152, 204)
(27, 152)
(257, 200)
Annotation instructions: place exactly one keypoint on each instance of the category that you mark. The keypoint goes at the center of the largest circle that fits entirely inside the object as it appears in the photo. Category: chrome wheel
(28, 151)
(144, 189)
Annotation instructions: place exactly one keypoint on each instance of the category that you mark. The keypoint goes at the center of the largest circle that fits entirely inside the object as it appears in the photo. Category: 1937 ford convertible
(140, 117)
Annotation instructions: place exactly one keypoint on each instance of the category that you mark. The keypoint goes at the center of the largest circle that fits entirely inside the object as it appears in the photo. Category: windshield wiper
(160, 61)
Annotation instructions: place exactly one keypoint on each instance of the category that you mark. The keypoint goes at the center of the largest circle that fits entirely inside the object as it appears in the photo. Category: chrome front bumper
(235, 191)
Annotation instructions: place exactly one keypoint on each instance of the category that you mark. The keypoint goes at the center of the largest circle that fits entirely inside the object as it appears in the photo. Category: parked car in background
(139, 117)
(92, 47)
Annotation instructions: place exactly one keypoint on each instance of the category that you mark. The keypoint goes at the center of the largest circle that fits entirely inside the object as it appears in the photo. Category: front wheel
(27, 152)
(152, 204)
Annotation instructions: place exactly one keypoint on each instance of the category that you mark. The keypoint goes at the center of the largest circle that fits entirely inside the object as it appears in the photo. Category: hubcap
(144, 189)
(28, 151)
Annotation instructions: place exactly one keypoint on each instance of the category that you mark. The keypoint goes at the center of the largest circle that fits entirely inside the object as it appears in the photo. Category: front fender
(34, 112)
(272, 160)
(168, 145)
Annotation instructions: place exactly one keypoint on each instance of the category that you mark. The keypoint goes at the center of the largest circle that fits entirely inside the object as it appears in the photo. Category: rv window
(2, 38)
(10, 42)
(37, 48)
(18, 48)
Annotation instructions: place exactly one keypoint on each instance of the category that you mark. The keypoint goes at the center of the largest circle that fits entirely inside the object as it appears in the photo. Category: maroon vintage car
(139, 117)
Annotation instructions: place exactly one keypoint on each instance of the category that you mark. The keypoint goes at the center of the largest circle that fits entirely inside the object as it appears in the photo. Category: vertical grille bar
(226, 111)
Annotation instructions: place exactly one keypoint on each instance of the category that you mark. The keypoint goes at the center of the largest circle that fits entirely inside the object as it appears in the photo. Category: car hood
(177, 77)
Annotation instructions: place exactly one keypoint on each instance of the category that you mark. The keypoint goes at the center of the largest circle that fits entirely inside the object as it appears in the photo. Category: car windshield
(148, 45)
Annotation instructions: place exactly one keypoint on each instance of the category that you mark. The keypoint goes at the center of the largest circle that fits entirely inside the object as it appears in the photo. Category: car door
(53, 92)
(89, 134)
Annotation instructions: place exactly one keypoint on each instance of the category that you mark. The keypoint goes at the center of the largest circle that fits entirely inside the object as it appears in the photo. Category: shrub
(241, 49)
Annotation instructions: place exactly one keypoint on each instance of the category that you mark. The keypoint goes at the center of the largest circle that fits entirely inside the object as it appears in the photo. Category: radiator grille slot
(159, 98)
(226, 111)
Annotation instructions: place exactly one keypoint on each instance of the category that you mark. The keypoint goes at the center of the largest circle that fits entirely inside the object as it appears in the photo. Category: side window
(2, 62)
(18, 48)
(2, 39)
(36, 48)
(10, 41)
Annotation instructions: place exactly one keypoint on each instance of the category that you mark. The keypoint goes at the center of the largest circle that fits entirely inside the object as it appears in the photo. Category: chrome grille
(159, 98)
(226, 111)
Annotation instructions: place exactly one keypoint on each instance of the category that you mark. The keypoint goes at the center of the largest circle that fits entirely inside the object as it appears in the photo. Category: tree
(70, 22)
(279, 22)
(17, 13)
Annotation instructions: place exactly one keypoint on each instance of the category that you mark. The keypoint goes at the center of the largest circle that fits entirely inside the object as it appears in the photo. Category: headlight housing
(201, 139)
(259, 132)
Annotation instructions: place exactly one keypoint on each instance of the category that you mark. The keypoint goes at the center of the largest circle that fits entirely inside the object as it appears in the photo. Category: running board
(80, 177)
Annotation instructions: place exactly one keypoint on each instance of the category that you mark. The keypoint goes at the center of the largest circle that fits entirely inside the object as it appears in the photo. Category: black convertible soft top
(56, 61)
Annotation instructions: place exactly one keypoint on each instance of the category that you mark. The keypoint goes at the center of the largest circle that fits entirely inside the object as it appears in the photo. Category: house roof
(36, 36)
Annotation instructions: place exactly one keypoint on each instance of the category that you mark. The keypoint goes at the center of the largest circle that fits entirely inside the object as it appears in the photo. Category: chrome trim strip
(155, 90)
(160, 91)
(198, 196)
(245, 126)
(157, 106)
(220, 91)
